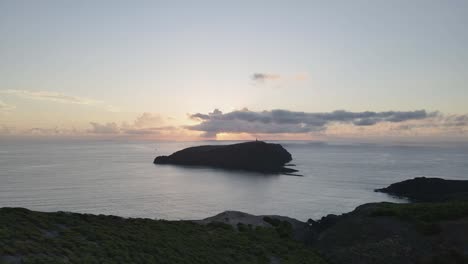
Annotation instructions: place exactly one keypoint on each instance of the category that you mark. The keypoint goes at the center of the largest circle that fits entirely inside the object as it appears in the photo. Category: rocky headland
(251, 156)
(424, 189)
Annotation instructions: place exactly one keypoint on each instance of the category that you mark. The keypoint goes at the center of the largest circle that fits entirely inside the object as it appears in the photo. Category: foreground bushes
(35, 237)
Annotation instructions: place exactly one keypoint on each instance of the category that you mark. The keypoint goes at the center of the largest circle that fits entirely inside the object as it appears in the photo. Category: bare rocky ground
(301, 230)
(235, 217)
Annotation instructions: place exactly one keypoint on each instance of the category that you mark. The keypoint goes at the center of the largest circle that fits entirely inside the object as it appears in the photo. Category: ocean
(119, 178)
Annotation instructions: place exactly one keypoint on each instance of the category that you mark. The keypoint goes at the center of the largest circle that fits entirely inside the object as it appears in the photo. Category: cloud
(4, 107)
(262, 77)
(147, 120)
(436, 126)
(37, 131)
(145, 124)
(285, 121)
(59, 98)
(4, 130)
(453, 120)
(199, 116)
(50, 96)
(50, 131)
(107, 128)
(439, 123)
(259, 77)
(300, 76)
(126, 130)
(148, 130)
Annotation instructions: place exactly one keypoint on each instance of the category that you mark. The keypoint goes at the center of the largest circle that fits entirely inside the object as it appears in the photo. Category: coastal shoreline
(421, 232)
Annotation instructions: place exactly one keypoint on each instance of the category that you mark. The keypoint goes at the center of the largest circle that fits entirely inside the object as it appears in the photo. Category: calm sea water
(120, 179)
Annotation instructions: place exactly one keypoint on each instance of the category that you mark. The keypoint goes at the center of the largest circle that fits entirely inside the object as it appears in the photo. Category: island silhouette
(251, 156)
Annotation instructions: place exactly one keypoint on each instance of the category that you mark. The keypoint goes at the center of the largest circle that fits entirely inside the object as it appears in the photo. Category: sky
(192, 70)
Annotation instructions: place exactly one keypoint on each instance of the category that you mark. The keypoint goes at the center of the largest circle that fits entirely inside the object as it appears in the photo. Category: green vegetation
(36, 237)
(425, 215)
(283, 228)
(426, 212)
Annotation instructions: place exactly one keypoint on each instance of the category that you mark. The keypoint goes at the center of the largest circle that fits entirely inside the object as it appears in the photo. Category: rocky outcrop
(388, 233)
(432, 230)
(423, 189)
(300, 231)
(252, 156)
(384, 233)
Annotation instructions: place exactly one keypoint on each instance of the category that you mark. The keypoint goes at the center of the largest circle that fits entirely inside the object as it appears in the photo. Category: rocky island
(252, 156)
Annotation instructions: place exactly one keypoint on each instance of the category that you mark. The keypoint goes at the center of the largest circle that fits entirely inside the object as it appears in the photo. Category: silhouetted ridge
(423, 189)
(254, 156)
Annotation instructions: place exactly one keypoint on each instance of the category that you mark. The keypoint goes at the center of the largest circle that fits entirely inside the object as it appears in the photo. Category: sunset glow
(165, 62)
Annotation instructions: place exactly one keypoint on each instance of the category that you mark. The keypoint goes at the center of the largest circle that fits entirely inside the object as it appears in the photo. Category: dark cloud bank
(284, 121)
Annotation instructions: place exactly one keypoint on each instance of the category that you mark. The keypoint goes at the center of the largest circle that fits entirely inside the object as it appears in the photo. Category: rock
(423, 189)
(300, 231)
(325, 222)
(252, 156)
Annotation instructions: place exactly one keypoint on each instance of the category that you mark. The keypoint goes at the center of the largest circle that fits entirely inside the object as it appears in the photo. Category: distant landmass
(251, 156)
(422, 189)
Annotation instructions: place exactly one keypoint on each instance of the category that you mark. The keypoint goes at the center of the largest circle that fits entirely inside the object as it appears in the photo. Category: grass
(61, 237)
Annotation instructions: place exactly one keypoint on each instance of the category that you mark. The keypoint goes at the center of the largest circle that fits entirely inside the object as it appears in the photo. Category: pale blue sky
(179, 57)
